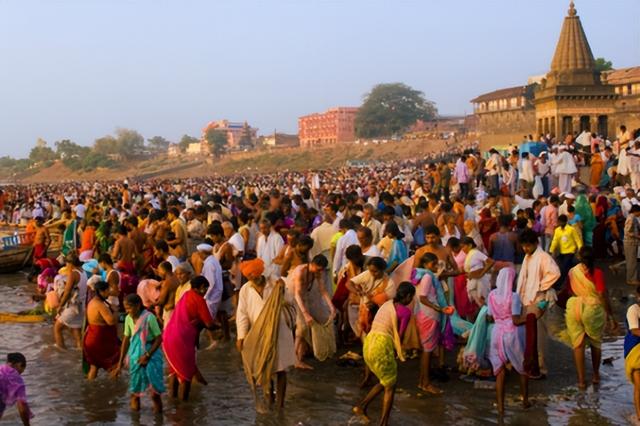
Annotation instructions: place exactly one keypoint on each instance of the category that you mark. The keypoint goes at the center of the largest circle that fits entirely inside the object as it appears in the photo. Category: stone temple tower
(572, 97)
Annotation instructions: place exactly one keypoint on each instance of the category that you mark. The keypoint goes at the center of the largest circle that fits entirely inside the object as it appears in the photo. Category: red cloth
(180, 335)
(128, 284)
(464, 306)
(39, 251)
(342, 292)
(128, 279)
(598, 280)
(127, 267)
(487, 226)
(47, 262)
(531, 366)
(101, 346)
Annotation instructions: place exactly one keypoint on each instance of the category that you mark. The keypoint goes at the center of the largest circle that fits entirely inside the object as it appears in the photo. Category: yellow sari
(585, 315)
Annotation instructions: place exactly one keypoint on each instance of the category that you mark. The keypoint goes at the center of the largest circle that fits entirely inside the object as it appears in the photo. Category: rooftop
(511, 92)
(622, 76)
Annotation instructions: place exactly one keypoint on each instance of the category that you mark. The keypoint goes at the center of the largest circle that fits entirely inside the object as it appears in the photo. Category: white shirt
(373, 251)
(237, 242)
(321, 237)
(626, 204)
(268, 249)
(543, 168)
(212, 271)
(526, 170)
(173, 261)
(340, 259)
(80, 210)
(250, 305)
(633, 316)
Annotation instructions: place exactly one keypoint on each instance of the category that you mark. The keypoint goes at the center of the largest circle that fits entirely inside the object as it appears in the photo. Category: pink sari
(507, 339)
(180, 335)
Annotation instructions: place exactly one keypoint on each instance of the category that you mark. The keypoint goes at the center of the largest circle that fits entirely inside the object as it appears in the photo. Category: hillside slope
(245, 162)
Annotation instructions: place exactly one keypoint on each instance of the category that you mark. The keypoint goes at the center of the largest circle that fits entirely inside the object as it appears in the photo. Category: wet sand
(59, 394)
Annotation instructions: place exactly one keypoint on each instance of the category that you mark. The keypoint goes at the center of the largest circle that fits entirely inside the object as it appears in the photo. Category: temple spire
(573, 51)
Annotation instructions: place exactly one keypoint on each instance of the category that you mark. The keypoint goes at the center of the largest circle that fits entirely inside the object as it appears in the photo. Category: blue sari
(476, 350)
(398, 255)
(459, 325)
(150, 376)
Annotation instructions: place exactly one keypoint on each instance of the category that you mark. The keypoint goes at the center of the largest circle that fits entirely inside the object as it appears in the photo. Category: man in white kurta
(350, 238)
(322, 236)
(269, 245)
(538, 274)
(250, 304)
(237, 243)
(565, 169)
(212, 271)
(252, 299)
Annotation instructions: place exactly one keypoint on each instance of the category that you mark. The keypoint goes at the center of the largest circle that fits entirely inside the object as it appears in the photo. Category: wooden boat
(13, 259)
(16, 250)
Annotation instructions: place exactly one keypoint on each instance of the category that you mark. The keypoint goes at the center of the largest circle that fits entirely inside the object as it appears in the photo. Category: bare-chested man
(313, 304)
(112, 277)
(124, 251)
(168, 287)
(179, 229)
(434, 245)
(425, 217)
(41, 240)
(139, 237)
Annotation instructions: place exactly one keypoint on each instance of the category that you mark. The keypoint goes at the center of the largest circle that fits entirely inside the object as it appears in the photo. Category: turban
(204, 247)
(252, 267)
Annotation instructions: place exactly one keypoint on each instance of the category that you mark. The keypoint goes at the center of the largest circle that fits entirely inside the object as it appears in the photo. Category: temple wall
(505, 127)
(627, 113)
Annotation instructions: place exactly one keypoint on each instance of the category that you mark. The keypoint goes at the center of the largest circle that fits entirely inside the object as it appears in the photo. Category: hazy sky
(79, 69)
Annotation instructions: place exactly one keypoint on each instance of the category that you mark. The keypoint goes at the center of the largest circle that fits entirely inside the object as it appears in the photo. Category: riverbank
(60, 395)
(259, 161)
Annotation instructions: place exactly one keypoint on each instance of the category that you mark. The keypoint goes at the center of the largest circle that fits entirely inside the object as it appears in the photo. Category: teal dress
(142, 334)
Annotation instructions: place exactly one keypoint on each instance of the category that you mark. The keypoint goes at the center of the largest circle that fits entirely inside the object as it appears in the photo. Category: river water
(58, 393)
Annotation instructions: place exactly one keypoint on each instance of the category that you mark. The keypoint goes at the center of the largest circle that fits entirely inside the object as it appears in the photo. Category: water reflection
(59, 394)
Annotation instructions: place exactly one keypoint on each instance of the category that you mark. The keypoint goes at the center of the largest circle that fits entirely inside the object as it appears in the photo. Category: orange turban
(252, 268)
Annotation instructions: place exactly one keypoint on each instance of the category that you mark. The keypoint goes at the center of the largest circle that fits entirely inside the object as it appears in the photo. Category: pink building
(235, 131)
(336, 125)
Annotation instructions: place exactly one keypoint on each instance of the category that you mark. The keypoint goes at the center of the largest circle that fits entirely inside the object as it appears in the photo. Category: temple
(573, 96)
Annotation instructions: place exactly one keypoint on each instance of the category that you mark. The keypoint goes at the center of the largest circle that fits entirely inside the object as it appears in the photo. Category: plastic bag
(537, 187)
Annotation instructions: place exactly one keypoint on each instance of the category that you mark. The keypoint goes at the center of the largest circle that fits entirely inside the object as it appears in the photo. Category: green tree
(7, 162)
(391, 108)
(246, 139)
(106, 145)
(217, 140)
(603, 65)
(158, 144)
(129, 142)
(68, 149)
(42, 153)
(94, 160)
(185, 141)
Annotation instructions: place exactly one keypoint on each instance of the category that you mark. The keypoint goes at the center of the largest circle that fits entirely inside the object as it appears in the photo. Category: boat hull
(12, 260)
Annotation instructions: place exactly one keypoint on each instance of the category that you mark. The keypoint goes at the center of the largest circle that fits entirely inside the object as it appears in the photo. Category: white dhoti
(564, 182)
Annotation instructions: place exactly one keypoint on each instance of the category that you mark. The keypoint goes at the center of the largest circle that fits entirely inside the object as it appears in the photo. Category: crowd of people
(463, 252)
